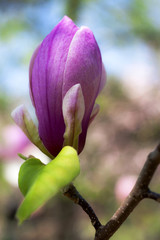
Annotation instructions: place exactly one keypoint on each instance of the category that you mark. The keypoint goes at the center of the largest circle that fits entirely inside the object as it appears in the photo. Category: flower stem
(75, 196)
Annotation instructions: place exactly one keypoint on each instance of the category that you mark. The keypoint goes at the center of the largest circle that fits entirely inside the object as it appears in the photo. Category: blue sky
(17, 51)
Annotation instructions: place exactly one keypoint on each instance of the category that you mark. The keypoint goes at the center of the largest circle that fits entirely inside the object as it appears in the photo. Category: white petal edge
(22, 118)
(73, 112)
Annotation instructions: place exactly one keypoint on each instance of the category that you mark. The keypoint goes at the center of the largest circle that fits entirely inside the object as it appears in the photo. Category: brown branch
(75, 196)
(139, 192)
(152, 195)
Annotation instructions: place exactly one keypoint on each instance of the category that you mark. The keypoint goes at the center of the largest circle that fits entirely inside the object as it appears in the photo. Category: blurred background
(125, 131)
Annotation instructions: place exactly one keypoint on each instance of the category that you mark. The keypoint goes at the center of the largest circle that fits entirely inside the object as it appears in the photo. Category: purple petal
(73, 112)
(46, 83)
(30, 71)
(84, 66)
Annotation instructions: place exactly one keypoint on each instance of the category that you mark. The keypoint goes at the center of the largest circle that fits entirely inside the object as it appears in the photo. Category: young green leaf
(39, 182)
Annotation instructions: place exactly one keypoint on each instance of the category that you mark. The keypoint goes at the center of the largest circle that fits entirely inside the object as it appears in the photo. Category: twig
(75, 196)
(152, 195)
(139, 192)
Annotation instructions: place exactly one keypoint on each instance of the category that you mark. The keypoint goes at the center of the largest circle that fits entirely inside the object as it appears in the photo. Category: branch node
(152, 195)
(139, 192)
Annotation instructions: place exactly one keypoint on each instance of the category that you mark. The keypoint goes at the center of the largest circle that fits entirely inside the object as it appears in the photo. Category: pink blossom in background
(12, 142)
(124, 186)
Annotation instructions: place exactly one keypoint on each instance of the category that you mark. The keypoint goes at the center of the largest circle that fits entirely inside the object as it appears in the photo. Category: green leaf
(39, 182)
(28, 173)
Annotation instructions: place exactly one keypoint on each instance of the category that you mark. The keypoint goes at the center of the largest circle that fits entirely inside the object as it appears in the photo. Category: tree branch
(139, 192)
(152, 195)
(75, 196)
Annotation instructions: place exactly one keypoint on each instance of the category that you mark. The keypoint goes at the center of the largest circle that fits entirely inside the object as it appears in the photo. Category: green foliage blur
(119, 140)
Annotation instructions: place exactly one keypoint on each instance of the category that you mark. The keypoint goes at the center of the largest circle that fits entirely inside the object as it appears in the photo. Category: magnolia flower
(66, 75)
